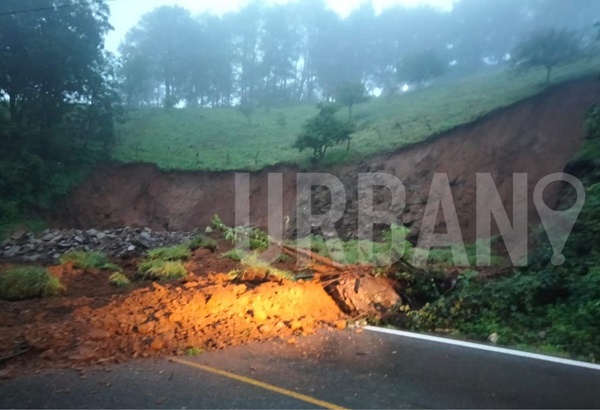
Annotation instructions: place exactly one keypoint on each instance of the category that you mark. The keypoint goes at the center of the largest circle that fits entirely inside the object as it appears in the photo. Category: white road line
(488, 348)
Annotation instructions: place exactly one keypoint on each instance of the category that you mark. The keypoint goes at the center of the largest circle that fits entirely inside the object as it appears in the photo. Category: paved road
(346, 369)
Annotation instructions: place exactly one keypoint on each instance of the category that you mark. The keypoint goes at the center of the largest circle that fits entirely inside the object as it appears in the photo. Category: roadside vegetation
(26, 282)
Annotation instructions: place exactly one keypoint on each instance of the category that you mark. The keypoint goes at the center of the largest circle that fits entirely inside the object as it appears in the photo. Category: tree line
(303, 51)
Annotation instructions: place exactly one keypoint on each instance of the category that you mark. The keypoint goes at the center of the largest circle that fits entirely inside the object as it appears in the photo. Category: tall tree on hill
(546, 48)
(326, 54)
(162, 39)
(279, 45)
(485, 29)
(350, 94)
(421, 66)
(219, 53)
(246, 31)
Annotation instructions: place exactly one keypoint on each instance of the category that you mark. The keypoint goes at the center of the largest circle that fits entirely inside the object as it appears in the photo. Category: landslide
(92, 322)
(537, 136)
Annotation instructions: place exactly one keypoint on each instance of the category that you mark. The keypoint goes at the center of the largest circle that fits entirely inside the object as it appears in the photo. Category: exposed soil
(537, 136)
(96, 323)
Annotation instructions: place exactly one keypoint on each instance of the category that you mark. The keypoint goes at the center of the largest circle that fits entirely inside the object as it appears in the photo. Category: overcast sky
(126, 13)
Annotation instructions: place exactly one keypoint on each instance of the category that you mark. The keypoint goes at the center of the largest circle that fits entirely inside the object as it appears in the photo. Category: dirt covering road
(96, 323)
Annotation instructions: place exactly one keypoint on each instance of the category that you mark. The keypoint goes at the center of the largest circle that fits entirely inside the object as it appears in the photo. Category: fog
(269, 54)
(126, 13)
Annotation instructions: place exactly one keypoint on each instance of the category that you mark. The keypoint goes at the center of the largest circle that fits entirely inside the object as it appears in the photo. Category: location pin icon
(558, 224)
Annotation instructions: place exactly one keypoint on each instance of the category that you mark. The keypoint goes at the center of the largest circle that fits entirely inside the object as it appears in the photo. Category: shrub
(88, 260)
(161, 270)
(119, 280)
(25, 282)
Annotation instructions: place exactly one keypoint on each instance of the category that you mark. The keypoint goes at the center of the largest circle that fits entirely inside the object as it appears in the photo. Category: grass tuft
(194, 351)
(88, 260)
(171, 253)
(119, 280)
(26, 282)
(161, 270)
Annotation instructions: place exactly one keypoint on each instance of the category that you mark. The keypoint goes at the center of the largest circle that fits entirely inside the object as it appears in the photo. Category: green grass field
(223, 139)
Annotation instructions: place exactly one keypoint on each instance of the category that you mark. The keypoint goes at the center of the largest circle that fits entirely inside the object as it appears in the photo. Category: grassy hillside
(223, 139)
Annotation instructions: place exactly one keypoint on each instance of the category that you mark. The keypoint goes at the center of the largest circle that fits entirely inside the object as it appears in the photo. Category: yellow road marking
(266, 386)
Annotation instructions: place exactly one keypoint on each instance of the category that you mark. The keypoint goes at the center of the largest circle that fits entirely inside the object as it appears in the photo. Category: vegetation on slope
(222, 138)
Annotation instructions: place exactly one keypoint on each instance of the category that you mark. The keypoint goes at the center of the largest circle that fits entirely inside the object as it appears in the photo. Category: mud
(96, 323)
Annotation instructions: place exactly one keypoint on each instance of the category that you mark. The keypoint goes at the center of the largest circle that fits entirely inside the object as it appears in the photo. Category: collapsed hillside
(537, 136)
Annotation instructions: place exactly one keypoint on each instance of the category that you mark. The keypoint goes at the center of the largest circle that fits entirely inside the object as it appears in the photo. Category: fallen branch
(292, 251)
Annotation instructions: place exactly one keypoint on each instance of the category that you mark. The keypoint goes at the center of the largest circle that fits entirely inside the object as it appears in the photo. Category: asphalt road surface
(330, 370)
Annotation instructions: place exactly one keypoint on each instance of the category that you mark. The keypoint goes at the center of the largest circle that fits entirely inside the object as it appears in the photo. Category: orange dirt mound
(95, 323)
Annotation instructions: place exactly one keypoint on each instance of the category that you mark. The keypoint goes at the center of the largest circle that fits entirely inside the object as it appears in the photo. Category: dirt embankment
(538, 136)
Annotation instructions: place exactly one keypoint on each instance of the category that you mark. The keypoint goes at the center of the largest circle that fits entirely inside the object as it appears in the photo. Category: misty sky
(126, 13)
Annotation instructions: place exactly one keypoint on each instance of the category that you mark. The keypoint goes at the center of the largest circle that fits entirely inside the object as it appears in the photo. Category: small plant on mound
(201, 241)
(88, 260)
(171, 253)
(164, 263)
(119, 280)
(161, 270)
(258, 240)
(194, 351)
(25, 282)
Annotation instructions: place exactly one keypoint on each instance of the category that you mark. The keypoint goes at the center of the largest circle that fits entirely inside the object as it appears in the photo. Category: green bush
(25, 282)
(88, 260)
(119, 280)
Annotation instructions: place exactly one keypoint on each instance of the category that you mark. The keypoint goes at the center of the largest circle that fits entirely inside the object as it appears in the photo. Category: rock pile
(49, 245)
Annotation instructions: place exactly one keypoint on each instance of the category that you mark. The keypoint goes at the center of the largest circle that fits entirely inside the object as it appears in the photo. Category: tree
(57, 98)
(349, 94)
(324, 131)
(279, 46)
(547, 49)
(51, 61)
(420, 66)
(162, 40)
